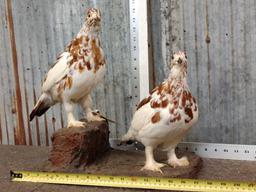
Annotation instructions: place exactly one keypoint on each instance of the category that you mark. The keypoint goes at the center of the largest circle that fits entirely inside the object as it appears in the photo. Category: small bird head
(97, 114)
(93, 17)
(178, 64)
(179, 59)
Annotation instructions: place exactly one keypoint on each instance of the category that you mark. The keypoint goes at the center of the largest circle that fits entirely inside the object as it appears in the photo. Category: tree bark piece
(77, 147)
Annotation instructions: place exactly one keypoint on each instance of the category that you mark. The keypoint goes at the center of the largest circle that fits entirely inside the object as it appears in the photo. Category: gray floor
(33, 158)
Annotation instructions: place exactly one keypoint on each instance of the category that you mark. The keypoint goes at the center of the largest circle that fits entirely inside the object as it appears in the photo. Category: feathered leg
(72, 122)
(151, 164)
(86, 103)
(174, 161)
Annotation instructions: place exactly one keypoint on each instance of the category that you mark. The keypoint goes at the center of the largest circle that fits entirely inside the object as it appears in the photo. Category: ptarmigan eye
(186, 56)
(172, 57)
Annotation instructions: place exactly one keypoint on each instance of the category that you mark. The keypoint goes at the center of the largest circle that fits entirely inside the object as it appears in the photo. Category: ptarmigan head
(93, 17)
(179, 63)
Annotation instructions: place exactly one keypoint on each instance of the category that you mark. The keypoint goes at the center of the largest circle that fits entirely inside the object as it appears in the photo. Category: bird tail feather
(42, 105)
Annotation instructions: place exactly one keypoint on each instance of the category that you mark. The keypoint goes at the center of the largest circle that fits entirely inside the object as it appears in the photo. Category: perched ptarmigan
(165, 116)
(76, 72)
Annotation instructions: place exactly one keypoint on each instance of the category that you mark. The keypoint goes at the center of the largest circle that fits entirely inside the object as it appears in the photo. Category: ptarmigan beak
(107, 119)
(97, 113)
(179, 60)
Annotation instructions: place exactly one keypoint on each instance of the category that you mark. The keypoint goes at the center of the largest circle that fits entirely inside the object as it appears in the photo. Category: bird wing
(158, 97)
(57, 72)
(149, 106)
(62, 66)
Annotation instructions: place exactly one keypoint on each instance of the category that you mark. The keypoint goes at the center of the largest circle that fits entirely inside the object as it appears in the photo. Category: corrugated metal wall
(41, 29)
(220, 41)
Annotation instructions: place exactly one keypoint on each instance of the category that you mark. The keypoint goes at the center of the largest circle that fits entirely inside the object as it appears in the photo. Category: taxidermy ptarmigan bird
(165, 116)
(76, 72)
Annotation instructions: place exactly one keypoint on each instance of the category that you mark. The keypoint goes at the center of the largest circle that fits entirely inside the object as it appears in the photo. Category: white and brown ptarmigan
(165, 116)
(76, 72)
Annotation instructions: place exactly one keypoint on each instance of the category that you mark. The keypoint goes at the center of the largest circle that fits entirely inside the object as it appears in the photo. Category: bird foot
(153, 167)
(182, 162)
(76, 124)
(94, 116)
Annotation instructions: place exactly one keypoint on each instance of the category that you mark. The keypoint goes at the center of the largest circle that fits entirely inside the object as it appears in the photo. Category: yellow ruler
(133, 182)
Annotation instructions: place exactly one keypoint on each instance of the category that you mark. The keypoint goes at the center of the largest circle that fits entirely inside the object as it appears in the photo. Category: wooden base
(129, 163)
(78, 147)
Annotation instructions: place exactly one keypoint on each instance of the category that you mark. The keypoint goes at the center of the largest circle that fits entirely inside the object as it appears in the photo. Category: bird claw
(182, 162)
(153, 167)
(76, 124)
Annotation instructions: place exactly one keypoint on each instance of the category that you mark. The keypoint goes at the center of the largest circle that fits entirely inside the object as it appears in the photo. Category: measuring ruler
(220, 150)
(206, 150)
(139, 42)
(134, 48)
(133, 182)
